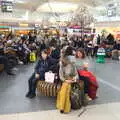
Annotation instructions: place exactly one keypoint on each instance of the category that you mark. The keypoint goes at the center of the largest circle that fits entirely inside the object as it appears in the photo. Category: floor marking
(83, 110)
(109, 84)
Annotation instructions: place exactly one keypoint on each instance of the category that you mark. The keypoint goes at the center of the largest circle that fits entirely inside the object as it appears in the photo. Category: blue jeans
(32, 82)
(86, 83)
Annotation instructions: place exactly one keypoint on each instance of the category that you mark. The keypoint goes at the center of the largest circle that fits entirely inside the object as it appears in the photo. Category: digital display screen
(6, 6)
(111, 12)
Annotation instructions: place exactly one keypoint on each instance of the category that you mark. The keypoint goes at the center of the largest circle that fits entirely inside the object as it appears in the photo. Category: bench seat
(51, 89)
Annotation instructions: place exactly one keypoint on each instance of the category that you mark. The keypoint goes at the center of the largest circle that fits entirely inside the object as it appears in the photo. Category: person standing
(68, 75)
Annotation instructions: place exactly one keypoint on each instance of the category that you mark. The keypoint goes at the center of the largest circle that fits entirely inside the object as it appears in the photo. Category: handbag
(76, 96)
(49, 77)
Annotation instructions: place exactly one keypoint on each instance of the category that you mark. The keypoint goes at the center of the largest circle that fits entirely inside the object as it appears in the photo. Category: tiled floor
(97, 112)
(13, 101)
(13, 90)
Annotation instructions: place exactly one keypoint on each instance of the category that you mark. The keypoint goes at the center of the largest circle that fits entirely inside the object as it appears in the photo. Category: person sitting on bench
(44, 65)
(116, 50)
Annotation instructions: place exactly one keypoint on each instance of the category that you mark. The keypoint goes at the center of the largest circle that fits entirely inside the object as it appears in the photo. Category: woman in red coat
(90, 83)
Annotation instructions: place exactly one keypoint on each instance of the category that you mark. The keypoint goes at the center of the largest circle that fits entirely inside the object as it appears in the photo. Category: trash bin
(100, 58)
(101, 55)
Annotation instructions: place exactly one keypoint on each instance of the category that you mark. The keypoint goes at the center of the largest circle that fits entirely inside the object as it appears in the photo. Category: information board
(6, 6)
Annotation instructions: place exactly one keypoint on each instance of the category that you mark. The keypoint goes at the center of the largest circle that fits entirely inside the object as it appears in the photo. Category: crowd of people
(16, 50)
(65, 58)
(92, 43)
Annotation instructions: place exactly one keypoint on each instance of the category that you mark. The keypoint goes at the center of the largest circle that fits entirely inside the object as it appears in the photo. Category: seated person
(26, 52)
(81, 61)
(44, 65)
(89, 48)
(43, 45)
(108, 51)
(4, 60)
(82, 64)
(22, 51)
(55, 52)
(116, 50)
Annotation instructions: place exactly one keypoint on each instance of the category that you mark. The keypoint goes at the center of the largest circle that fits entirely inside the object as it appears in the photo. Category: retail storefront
(109, 27)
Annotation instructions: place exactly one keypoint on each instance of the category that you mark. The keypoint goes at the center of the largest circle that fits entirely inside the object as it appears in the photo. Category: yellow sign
(23, 25)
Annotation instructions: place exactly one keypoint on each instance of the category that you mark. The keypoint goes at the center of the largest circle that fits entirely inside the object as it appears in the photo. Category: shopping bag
(49, 77)
(76, 96)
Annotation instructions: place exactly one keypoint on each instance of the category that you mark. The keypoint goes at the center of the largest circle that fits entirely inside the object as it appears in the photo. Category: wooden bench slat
(1, 67)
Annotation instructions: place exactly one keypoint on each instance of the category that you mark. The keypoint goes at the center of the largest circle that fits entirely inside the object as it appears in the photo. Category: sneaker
(20, 63)
(88, 98)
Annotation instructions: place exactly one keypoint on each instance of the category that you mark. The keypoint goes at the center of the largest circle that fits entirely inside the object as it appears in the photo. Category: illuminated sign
(23, 25)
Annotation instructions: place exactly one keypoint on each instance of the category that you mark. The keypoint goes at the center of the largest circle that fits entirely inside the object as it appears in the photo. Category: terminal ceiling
(36, 10)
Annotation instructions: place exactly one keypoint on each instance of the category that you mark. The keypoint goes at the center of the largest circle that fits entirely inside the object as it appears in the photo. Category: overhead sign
(6, 6)
(37, 25)
(111, 12)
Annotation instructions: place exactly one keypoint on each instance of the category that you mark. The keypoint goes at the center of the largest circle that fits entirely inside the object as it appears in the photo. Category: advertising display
(77, 30)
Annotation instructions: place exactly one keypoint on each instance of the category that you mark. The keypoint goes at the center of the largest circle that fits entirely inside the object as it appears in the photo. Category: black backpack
(76, 96)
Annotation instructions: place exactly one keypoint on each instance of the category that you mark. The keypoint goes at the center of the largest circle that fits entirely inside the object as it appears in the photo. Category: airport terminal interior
(59, 60)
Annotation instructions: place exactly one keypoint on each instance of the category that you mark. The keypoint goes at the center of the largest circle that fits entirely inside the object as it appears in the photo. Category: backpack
(76, 96)
(32, 57)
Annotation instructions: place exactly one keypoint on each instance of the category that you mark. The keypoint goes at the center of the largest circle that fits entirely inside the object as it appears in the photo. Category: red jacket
(93, 82)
